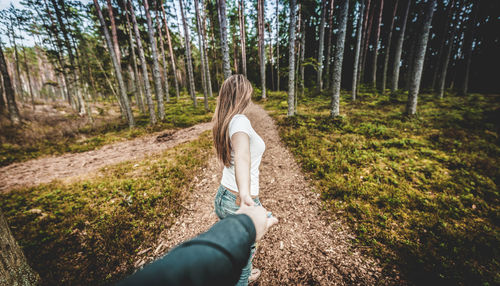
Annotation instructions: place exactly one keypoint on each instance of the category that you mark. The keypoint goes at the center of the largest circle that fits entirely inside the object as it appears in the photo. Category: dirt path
(303, 249)
(74, 165)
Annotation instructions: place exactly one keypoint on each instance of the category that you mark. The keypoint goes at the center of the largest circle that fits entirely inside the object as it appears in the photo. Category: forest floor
(308, 246)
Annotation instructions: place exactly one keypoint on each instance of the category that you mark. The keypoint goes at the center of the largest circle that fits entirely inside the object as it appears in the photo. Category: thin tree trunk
(262, 52)
(223, 34)
(2, 100)
(468, 43)
(241, 16)
(356, 56)
(114, 35)
(399, 50)
(271, 56)
(329, 45)
(339, 56)
(302, 54)
(202, 54)
(32, 95)
(442, 43)
(204, 43)
(291, 60)
(388, 48)
(9, 91)
(319, 75)
(19, 88)
(145, 76)
(117, 67)
(156, 64)
(375, 46)
(411, 108)
(366, 41)
(139, 96)
(172, 57)
(188, 56)
(277, 46)
(14, 269)
(162, 50)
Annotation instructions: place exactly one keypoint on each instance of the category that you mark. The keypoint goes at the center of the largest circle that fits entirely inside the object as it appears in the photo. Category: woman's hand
(246, 200)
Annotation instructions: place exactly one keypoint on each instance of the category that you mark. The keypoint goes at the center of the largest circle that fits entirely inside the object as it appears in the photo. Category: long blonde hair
(234, 97)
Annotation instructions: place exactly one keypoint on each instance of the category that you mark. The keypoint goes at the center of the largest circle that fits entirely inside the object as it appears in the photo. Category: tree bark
(262, 52)
(156, 64)
(291, 60)
(302, 56)
(14, 269)
(162, 51)
(468, 43)
(187, 43)
(319, 76)
(375, 46)
(388, 48)
(202, 55)
(223, 35)
(2, 100)
(139, 96)
(9, 91)
(117, 68)
(366, 41)
(25, 62)
(329, 46)
(411, 108)
(339, 56)
(142, 58)
(205, 48)
(114, 35)
(356, 55)
(277, 46)
(399, 50)
(241, 15)
(446, 27)
(172, 56)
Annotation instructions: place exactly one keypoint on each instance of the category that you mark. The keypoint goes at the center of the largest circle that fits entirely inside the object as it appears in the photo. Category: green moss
(422, 192)
(87, 232)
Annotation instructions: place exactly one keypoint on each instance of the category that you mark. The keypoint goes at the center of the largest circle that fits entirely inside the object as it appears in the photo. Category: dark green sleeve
(215, 257)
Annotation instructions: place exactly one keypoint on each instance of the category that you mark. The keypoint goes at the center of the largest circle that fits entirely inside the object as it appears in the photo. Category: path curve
(74, 165)
(305, 248)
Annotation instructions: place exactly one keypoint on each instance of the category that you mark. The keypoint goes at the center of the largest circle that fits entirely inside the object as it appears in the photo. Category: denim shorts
(225, 204)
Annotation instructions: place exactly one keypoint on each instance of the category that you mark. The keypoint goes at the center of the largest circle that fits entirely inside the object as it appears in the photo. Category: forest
(381, 120)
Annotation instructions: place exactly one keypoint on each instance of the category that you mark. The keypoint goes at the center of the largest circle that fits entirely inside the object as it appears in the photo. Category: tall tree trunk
(339, 56)
(329, 45)
(202, 54)
(19, 85)
(117, 68)
(271, 56)
(356, 55)
(205, 48)
(302, 56)
(375, 45)
(162, 51)
(388, 48)
(241, 16)
(411, 108)
(297, 52)
(319, 75)
(262, 52)
(9, 91)
(156, 64)
(277, 46)
(172, 56)
(14, 269)
(468, 43)
(444, 68)
(366, 42)
(291, 60)
(2, 100)
(114, 35)
(443, 34)
(144, 67)
(139, 96)
(32, 95)
(188, 55)
(223, 35)
(399, 49)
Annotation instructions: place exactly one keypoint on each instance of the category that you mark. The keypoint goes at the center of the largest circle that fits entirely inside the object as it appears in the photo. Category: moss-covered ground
(422, 193)
(87, 232)
(55, 135)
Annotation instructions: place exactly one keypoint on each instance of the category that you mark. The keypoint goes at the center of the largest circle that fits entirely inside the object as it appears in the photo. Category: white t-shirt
(240, 123)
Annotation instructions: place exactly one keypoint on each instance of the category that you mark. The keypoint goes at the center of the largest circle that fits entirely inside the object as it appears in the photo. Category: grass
(421, 192)
(87, 233)
(56, 135)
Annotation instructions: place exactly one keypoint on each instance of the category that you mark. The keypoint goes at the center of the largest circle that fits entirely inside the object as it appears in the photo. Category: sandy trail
(305, 248)
(75, 165)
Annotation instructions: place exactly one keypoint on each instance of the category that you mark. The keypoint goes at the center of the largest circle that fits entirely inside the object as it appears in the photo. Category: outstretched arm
(241, 147)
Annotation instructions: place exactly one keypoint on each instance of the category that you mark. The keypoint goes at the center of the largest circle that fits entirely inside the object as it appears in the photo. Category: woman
(240, 149)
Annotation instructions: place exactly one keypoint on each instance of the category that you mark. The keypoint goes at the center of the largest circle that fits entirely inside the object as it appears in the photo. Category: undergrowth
(55, 134)
(87, 232)
(421, 192)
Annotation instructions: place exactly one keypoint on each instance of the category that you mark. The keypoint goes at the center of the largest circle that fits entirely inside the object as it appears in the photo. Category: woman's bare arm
(241, 147)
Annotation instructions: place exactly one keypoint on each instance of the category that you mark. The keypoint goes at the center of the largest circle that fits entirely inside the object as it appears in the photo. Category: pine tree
(187, 45)
(339, 56)
(262, 52)
(223, 35)
(291, 61)
(399, 49)
(358, 47)
(319, 76)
